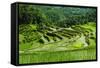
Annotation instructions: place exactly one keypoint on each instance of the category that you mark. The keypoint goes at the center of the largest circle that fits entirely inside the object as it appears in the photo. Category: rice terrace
(56, 33)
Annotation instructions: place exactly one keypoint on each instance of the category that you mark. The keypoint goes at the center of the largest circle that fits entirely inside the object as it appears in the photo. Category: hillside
(62, 33)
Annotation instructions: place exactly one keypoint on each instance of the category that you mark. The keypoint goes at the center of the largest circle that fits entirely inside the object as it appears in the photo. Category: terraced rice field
(59, 44)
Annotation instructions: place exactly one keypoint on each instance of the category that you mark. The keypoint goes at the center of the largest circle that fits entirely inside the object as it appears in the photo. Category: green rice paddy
(75, 43)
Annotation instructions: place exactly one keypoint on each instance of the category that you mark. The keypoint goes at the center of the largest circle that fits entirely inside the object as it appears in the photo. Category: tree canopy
(55, 15)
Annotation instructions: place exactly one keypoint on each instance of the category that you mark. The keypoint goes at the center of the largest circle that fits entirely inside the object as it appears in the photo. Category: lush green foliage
(49, 31)
(55, 16)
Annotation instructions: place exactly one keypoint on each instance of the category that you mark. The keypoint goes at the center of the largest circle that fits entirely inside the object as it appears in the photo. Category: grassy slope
(55, 52)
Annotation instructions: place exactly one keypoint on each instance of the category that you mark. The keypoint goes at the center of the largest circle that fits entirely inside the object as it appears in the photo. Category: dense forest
(44, 31)
(55, 15)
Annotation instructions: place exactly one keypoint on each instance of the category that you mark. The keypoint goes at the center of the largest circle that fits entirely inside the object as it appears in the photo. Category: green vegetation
(51, 34)
(40, 57)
